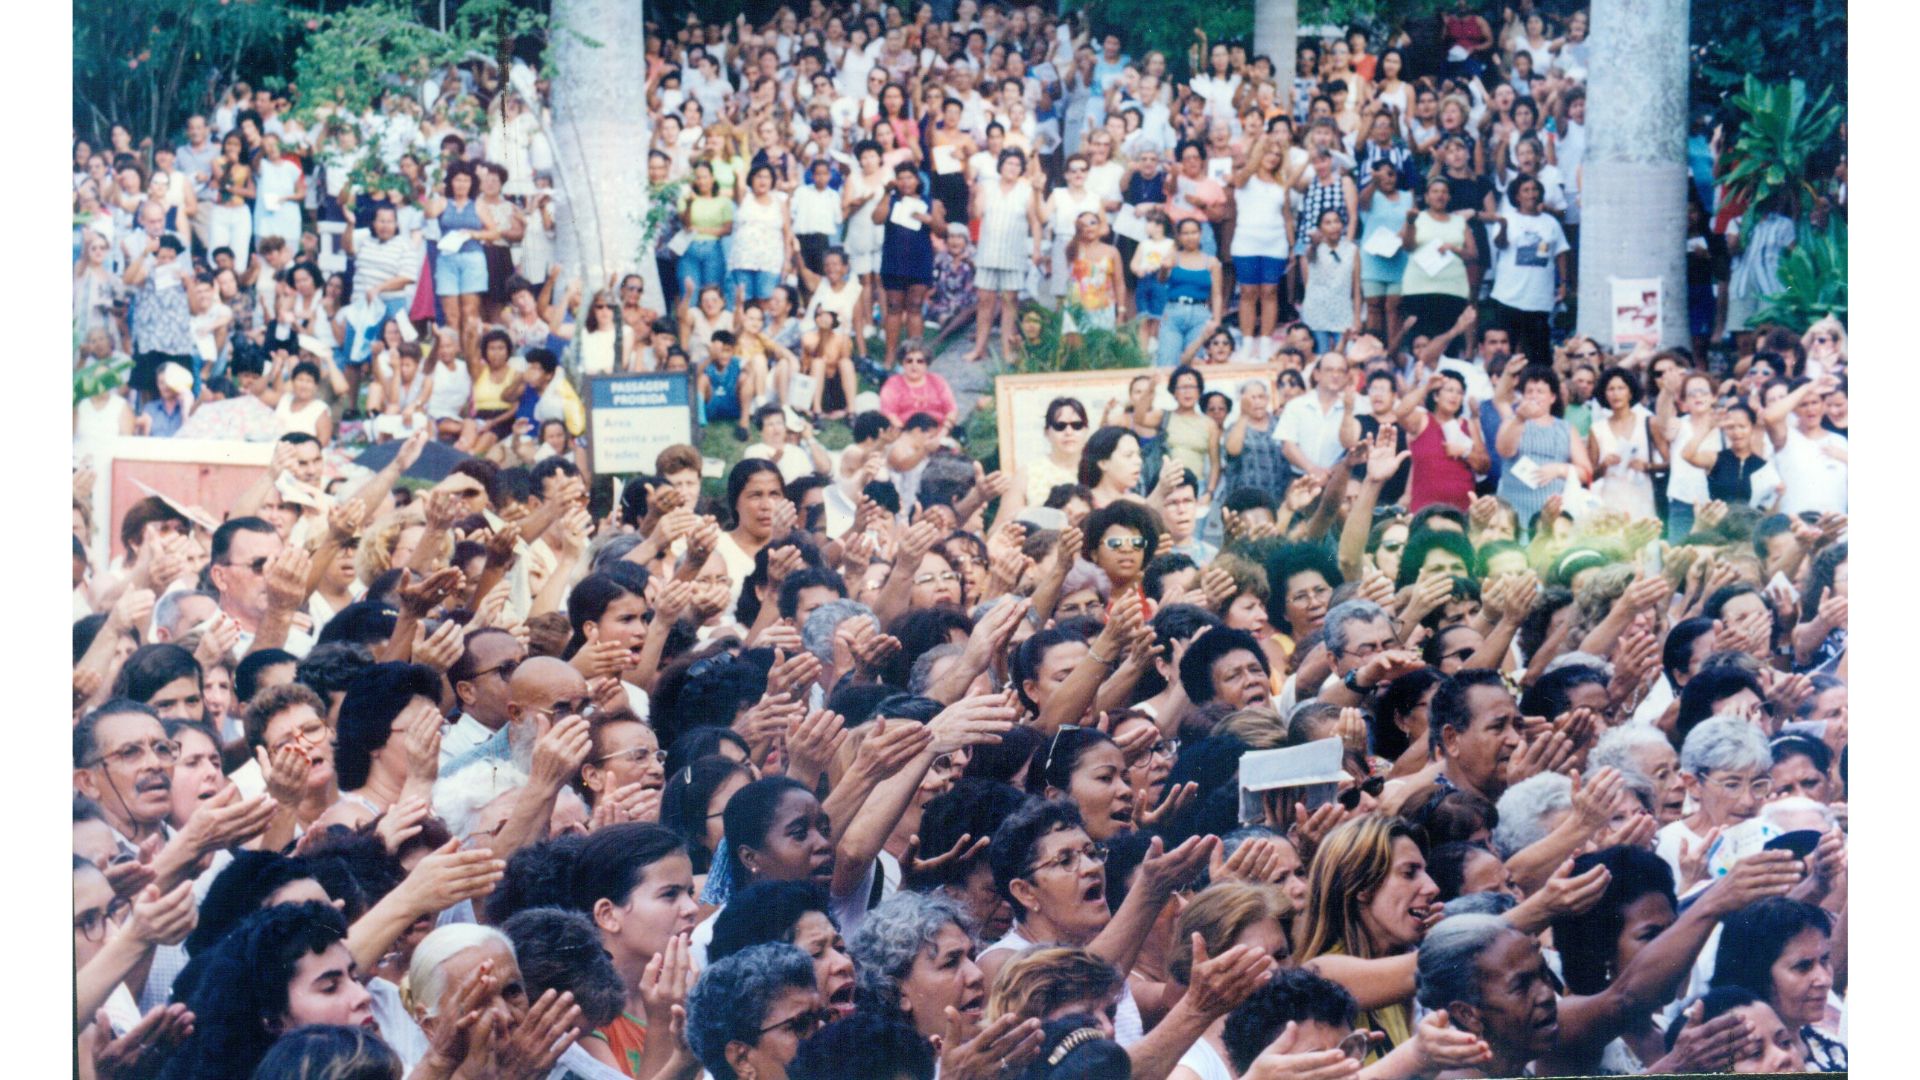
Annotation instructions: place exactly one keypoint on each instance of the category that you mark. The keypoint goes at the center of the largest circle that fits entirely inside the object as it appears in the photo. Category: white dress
(1328, 306)
(97, 424)
(1622, 487)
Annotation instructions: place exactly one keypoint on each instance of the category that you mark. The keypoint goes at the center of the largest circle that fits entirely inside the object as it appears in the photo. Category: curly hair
(240, 999)
(729, 1003)
(892, 936)
(375, 554)
(1043, 979)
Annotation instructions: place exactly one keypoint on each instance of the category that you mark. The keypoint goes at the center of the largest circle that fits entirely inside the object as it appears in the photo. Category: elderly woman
(1641, 752)
(749, 1013)
(465, 967)
(1728, 770)
(1782, 952)
(915, 954)
(1494, 983)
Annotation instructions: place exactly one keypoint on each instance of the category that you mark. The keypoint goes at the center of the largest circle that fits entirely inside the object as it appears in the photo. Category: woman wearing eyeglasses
(749, 1013)
(113, 936)
(1728, 769)
(626, 766)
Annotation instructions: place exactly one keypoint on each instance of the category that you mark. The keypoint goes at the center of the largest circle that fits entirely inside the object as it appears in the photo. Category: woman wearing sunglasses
(1121, 539)
(1066, 433)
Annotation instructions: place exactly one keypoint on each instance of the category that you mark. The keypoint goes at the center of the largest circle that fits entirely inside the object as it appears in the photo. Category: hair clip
(1074, 1041)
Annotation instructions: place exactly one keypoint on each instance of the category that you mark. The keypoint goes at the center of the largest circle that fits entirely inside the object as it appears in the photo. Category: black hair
(151, 668)
(1031, 653)
(375, 698)
(560, 950)
(1287, 560)
(1100, 446)
(354, 867)
(590, 600)
(327, 670)
(1551, 695)
(1011, 850)
(241, 993)
(1450, 708)
(1423, 542)
(871, 1042)
(1061, 755)
(1447, 865)
(1589, 940)
(611, 863)
(1172, 562)
(747, 611)
(1706, 690)
(1752, 938)
(537, 875)
(809, 577)
(85, 630)
(715, 696)
(1065, 1054)
(333, 1051)
(764, 911)
(1127, 514)
(1787, 747)
(749, 816)
(363, 622)
(1401, 698)
(1002, 761)
(223, 542)
(1294, 995)
(1196, 667)
(1533, 629)
(239, 890)
(858, 703)
(919, 630)
(884, 495)
(1072, 404)
(743, 472)
(974, 808)
(84, 743)
(870, 425)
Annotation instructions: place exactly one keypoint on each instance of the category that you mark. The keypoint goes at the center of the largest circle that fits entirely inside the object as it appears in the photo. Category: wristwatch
(1352, 682)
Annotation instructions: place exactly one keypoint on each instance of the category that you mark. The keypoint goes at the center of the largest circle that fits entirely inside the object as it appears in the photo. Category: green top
(709, 212)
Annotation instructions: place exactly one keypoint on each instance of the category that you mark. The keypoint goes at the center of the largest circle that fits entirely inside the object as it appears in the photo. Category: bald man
(542, 691)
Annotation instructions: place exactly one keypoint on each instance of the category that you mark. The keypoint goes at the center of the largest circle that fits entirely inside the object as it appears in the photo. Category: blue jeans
(1179, 328)
(1679, 520)
(753, 284)
(703, 264)
(1325, 340)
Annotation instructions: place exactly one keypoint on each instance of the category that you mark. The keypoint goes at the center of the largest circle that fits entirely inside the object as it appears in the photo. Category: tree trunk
(1276, 30)
(600, 138)
(1633, 206)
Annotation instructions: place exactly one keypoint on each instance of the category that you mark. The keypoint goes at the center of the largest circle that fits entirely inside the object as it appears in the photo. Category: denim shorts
(704, 264)
(461, 274)
(753, 284)
(1151, 296)
(1259, 269)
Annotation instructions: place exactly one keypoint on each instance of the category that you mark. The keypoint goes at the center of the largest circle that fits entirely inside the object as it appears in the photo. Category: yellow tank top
(487, 392)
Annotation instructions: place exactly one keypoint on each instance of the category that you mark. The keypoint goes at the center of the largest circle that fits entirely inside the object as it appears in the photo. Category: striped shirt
(1005, 242)
(379, 261)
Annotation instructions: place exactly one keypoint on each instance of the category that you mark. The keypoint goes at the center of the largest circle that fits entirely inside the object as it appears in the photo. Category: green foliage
(1780, 131)
(99, 377)
(149, 64)
(1097, 350)
(353, 56)
(1732, 42)
(662, 206)
(1813, 273)
(1168, 25)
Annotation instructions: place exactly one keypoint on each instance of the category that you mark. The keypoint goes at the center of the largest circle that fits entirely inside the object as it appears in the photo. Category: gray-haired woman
(749, 1013)
(915, 954)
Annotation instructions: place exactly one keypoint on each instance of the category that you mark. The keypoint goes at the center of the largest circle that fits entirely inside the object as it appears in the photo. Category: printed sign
(632, 417)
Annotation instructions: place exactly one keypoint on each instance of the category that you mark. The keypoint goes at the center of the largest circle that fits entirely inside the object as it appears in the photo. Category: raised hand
(1281, 1061)
(419, 598)
(163, 919)
(1219, 985)
(1175, 799)
(440, 649)
(402, 822)
(1003, 1048)
(815, 742)
(286, 579)
(448, 875)
(1711, 1047)
(286, 773)
(972, 721)
(964, 850)
(126, 1057)
(559, 753)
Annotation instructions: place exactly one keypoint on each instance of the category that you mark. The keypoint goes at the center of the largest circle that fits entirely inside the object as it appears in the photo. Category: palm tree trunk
(600, 137)
(1633, 206)
(1276, 28)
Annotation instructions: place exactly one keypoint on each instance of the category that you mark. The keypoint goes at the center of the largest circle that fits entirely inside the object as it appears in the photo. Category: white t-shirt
(1814, 481)
(794, 462)
(1668, 841)
(1524, 274)
(1203, 1061)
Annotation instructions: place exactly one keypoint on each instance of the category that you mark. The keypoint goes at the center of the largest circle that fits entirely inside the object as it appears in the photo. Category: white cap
(866, 401)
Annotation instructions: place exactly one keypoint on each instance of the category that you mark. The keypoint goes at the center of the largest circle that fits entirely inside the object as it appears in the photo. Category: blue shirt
(165, 425)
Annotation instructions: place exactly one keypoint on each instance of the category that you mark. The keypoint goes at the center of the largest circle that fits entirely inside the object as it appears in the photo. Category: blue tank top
(1195, 285)
(467, 217)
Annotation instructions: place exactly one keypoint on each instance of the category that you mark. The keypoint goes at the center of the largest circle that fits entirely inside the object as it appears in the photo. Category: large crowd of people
(864, 759)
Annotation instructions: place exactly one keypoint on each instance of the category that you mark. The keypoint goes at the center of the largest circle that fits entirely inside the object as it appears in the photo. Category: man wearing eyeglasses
(123, 761)
(542, 692)
(479, 680)
(242, 549)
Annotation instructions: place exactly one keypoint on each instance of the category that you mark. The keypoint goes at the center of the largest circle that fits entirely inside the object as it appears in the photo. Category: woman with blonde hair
(391, 541)
(1369, 902)
(1227, 914)
(1048, 982)
(1825, 344)
(1259, 727)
